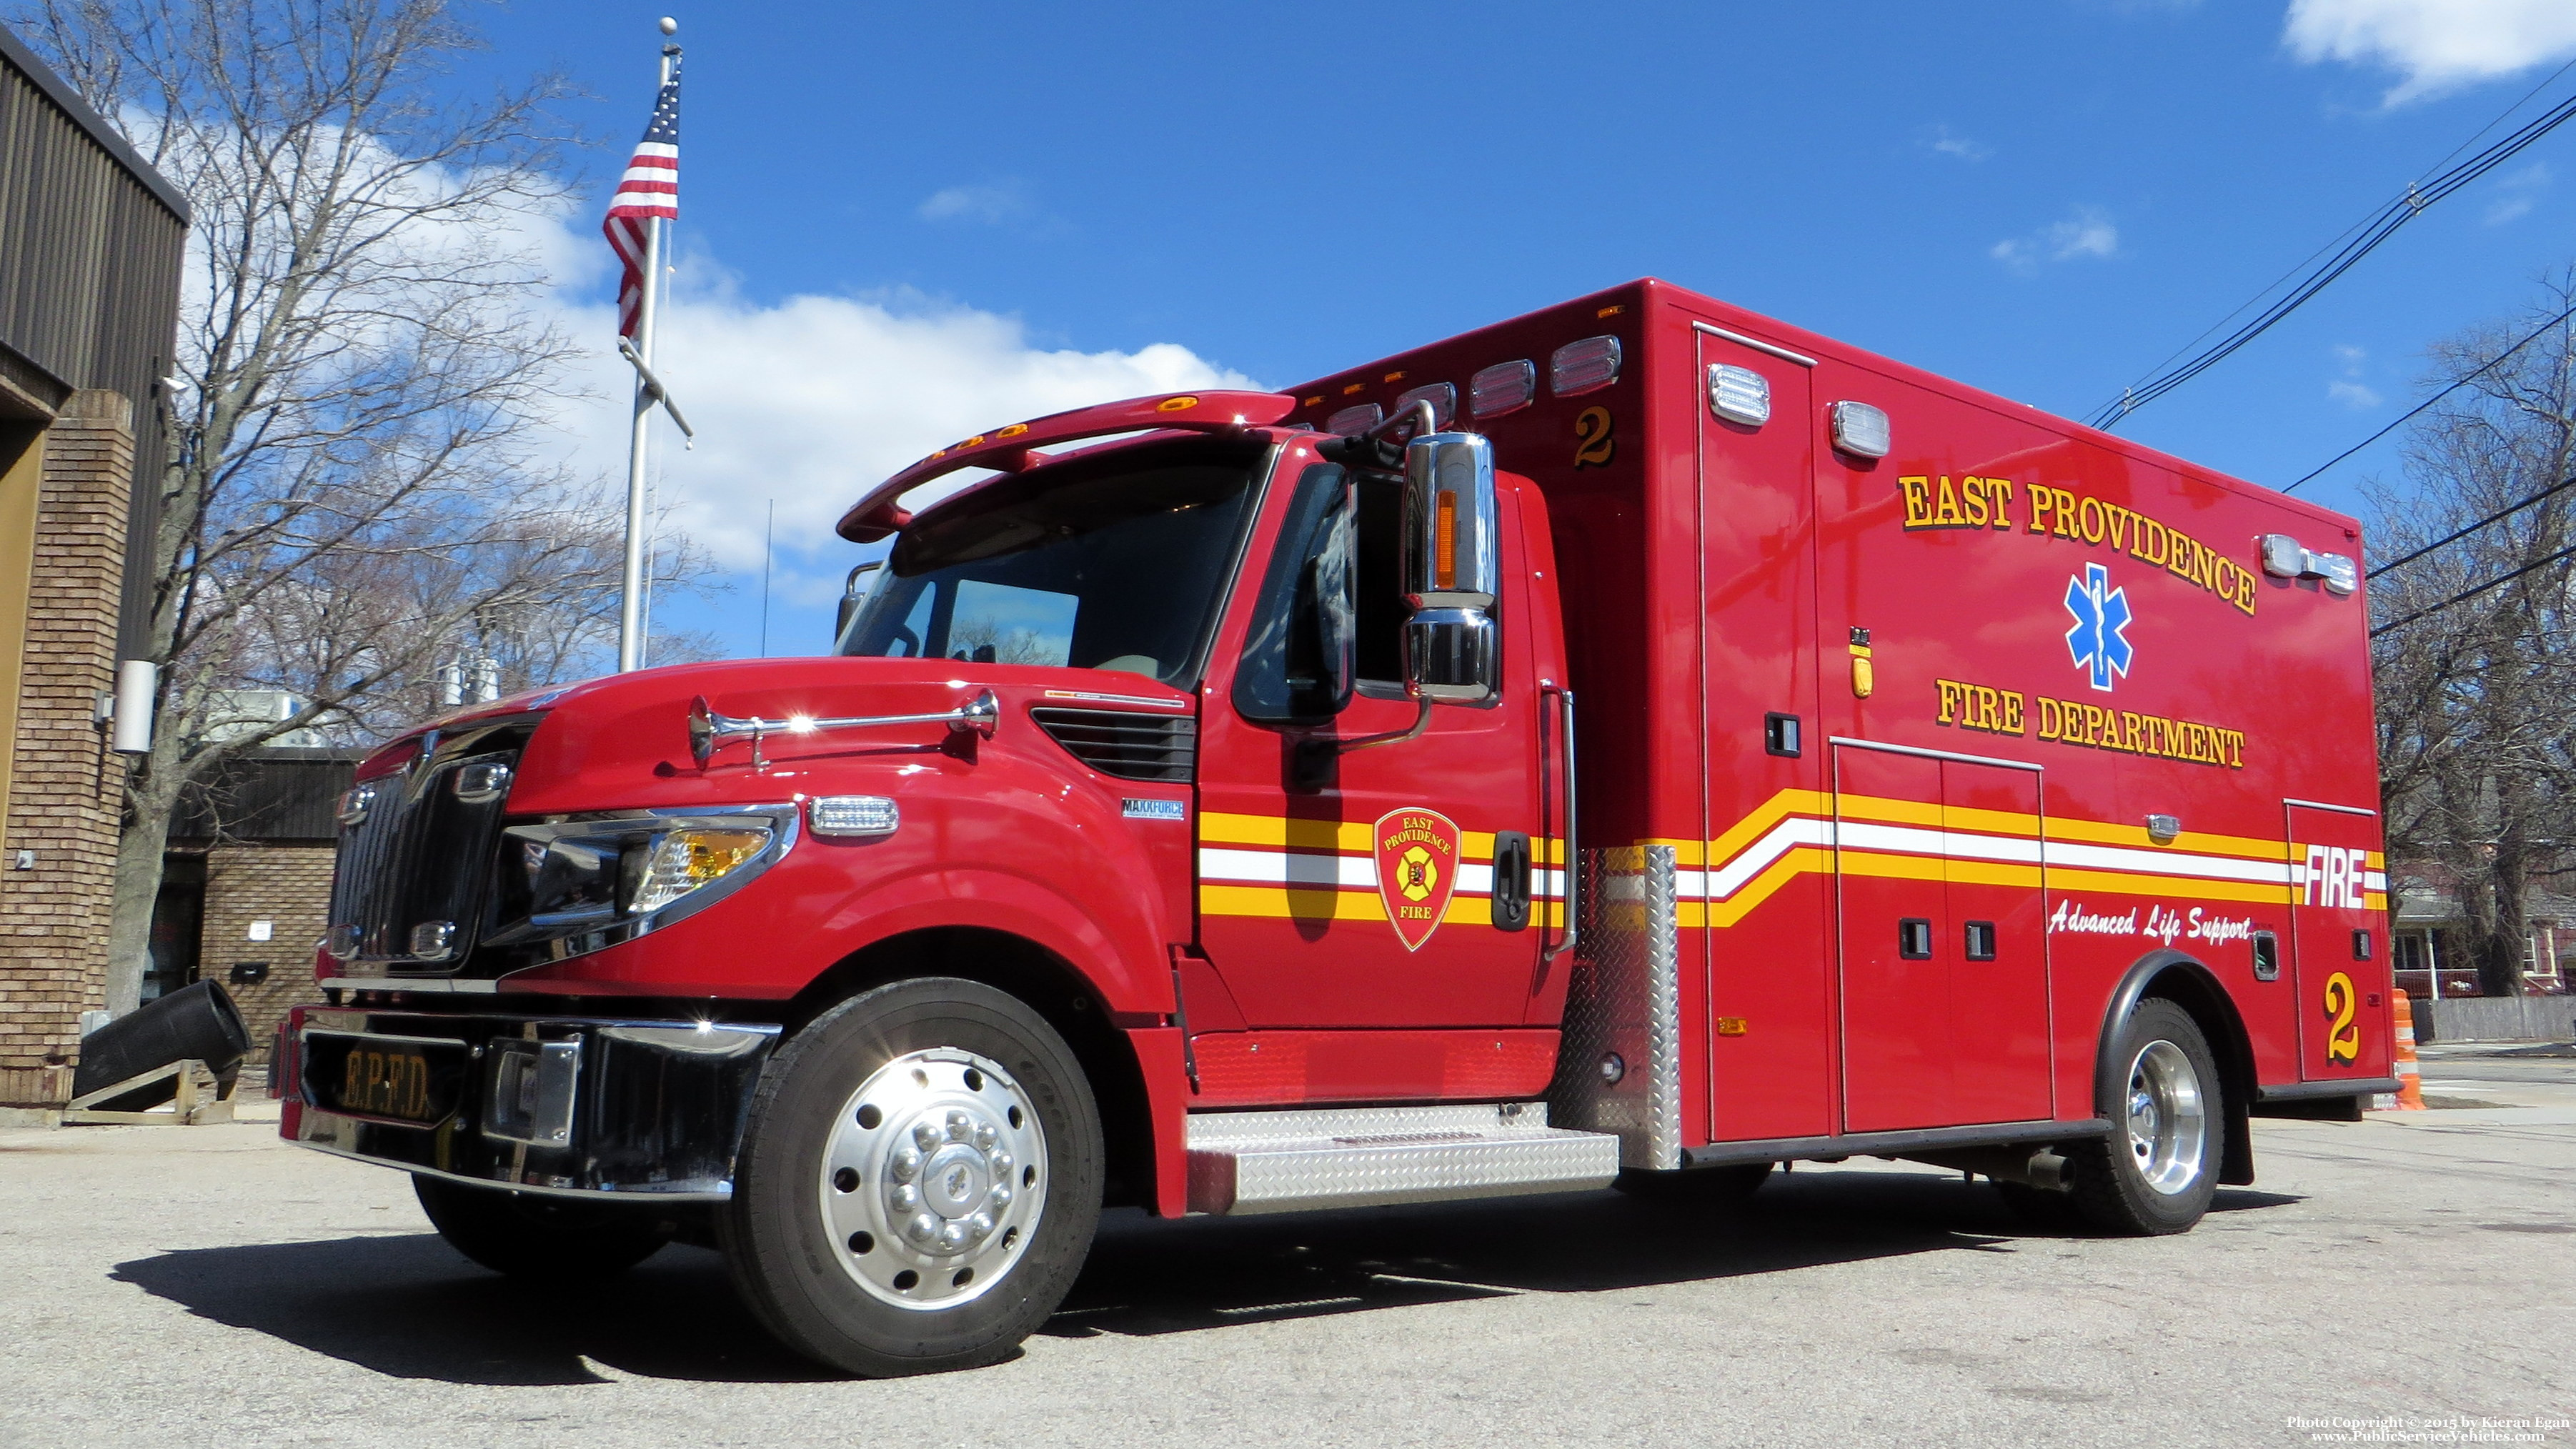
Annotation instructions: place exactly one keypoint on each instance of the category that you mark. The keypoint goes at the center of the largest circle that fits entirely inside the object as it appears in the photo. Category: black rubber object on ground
(197, 1021)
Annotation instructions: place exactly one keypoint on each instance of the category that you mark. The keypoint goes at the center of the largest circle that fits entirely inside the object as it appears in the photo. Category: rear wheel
(920, 1181)
(2158, 1169)
(544, 1239)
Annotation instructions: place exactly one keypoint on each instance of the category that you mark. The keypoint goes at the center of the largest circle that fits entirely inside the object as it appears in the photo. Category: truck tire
(2158, 1169)
(919, 1182)
(540, 1239)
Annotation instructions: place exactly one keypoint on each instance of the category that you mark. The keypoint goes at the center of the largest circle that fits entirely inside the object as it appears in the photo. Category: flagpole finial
(670, 26)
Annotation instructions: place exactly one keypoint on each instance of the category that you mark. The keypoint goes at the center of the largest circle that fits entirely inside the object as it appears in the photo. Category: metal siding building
(92, 240)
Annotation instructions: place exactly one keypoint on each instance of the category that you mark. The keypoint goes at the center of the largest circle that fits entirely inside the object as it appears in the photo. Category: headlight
(683, 860)
(592, 881)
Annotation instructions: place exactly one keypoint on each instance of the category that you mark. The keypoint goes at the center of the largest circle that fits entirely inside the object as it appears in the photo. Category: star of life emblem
(2099, 641)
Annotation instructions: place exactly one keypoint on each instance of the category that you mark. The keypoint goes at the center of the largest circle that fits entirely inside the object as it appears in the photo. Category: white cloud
(991, 205)
(812, 399)
(2086, 232)
(2436, 45)
(2349, 389)
(1943, 141)
(2518, 193)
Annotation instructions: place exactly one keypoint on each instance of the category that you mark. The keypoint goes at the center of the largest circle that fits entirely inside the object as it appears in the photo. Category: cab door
(1344, 887)
(2338, 945)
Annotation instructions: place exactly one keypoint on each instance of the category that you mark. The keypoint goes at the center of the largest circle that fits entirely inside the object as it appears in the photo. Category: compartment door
(2338, 942)
(1893, 919)
(1944, 942)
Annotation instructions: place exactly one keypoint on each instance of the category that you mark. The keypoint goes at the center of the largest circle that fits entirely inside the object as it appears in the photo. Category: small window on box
(1914, 939)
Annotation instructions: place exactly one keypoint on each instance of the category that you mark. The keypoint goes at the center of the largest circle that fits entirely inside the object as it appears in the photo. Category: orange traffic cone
(2410, 1078)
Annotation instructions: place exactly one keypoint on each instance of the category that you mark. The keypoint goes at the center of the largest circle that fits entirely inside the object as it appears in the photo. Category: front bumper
(573, 1106)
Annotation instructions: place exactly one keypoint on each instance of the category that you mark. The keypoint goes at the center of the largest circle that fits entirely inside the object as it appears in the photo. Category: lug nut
(906, 1198)
(980, 1226)
(960, 1126)
(905, 1165)
(1001, 1163)
(1000, 1196)
(921, 1228)
(925, 1135)
(985, 1136)
(953, 1236)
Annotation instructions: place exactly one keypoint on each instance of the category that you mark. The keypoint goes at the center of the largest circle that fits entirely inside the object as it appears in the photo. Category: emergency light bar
(1015, 449)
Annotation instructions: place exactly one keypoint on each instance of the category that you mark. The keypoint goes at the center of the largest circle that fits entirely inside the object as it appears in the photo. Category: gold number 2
(2343, 1038)
(1594, 445)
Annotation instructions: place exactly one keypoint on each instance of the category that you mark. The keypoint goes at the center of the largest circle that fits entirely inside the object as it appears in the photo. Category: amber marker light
(1445, 539)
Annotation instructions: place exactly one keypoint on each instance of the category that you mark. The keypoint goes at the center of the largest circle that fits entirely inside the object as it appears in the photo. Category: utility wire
(2357, 243)
(2470, 593)
(2464, 381)
(2561, 486)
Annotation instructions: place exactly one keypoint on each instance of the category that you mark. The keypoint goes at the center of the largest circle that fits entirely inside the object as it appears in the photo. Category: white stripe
(657, 148)
(1272, 867)
(1281, 868)
(2372, 880)
(650, 173)
(1961, 845)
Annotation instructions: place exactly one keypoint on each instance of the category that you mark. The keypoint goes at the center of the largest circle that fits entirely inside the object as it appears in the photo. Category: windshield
(1116, 564)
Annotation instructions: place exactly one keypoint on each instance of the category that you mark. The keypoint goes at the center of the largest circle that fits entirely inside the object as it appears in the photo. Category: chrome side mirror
(854, 594)
(1452, 568)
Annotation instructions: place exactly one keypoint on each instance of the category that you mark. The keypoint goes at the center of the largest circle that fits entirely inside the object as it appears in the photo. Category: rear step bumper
(1277, 1162)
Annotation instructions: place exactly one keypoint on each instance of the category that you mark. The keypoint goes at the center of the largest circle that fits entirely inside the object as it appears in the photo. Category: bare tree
(2477, 685)
(353, 492)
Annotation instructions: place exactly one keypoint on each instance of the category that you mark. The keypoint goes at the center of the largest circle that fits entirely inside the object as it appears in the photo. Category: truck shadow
(407, 1306)
(1147, 1276)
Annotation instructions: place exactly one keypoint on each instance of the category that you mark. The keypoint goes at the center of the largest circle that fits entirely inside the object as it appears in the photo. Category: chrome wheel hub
(2168, 1124)
(934, 1178)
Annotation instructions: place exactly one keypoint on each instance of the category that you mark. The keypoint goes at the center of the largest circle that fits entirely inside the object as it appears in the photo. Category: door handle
(1552, 829)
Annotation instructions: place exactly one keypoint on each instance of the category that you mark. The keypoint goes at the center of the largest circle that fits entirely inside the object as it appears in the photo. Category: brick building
(91, 240)
(246, 888)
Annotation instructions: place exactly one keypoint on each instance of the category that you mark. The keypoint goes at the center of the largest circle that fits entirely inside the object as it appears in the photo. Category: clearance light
(853, 815)
(1861, 430)
(1442, 396)
(1350, 422)
(1739, 394)
(683, 860)
(2283, 558)
(1585, 366)
(1505, 387)
(2341, 575)
(1444, 542)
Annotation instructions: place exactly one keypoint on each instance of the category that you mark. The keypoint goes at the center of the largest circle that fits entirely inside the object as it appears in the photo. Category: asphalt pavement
(2411, 1274)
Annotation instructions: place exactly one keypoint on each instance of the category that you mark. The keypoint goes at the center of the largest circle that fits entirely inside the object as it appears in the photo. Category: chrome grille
(413, 878)
(1129, 746)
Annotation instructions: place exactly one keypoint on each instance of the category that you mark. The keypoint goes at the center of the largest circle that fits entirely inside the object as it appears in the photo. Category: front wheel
(2157, 1171)
(919, 1183)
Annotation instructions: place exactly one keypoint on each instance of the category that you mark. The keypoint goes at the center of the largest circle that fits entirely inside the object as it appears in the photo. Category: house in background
(2428, 935)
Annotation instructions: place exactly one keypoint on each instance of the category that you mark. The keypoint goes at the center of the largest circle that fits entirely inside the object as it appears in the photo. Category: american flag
(651, 188)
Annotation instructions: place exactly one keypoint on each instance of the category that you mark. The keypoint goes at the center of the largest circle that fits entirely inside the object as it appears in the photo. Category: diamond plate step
(1279, 1162)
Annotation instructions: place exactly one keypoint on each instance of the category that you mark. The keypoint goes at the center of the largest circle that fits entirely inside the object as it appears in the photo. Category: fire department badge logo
(1417, 871)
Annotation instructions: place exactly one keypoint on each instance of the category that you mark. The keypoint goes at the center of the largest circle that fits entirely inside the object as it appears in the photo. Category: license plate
(412, 1080)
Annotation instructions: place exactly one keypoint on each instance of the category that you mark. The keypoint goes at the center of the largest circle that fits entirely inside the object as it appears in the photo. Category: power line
(2371, 231)
(2464, 381)
(2467, 594)
(2561, 486)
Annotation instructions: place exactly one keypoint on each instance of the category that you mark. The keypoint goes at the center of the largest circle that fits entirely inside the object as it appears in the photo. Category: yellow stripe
(1219, 828)
(1280, 902)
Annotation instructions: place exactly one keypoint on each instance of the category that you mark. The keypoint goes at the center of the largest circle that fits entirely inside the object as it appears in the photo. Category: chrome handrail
(710, 731)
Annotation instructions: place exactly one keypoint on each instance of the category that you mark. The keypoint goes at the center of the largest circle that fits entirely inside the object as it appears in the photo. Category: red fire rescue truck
(1639, 741)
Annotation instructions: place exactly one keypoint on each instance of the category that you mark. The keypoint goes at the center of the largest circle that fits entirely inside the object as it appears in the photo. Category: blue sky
(909, 222)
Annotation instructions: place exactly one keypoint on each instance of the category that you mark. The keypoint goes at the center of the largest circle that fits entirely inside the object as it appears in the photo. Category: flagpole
(630, 613)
